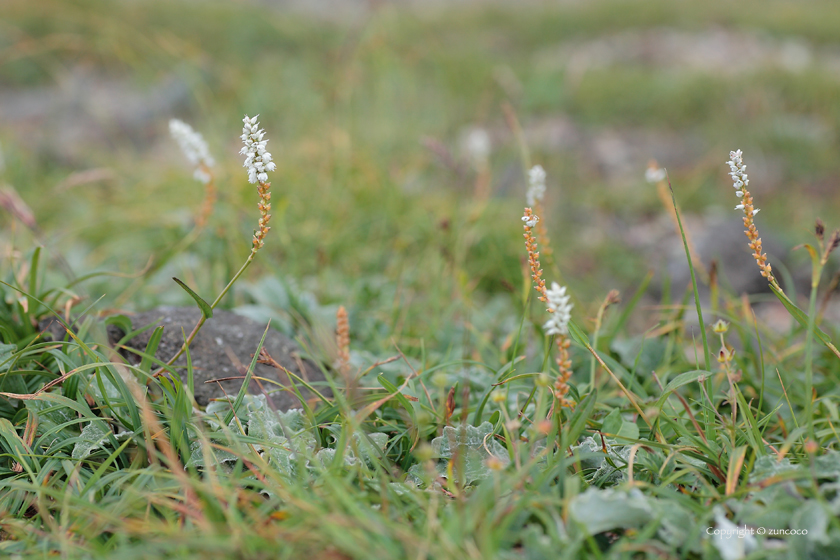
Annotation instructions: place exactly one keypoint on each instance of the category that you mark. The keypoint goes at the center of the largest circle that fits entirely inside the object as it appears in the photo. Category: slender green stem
(809, 344)
(213, 305)
(236, 276)
(595, 336)
(707, 356)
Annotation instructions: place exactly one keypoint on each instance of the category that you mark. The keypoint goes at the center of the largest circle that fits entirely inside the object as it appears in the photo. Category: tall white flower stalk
(740, 181)
(536, 186)
(258, 162)
(195, 149)
(557, 304)
(534, 198)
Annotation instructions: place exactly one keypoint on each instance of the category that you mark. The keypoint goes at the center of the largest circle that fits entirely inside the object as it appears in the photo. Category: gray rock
(223, 349)
(715, 236)
(85, 109)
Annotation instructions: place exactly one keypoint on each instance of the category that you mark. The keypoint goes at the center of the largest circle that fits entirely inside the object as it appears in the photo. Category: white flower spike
(536, 185)
(560, 309)
(740, 180)
(257, 159)
(194, 147)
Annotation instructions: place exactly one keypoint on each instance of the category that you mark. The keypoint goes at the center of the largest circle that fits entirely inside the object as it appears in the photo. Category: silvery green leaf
(828, 465)
(365, 450)
(811, 516)
(219, 406)
(416, 475)
(592, 456)
(111, 390)
(475, 445)
(475, 469)
(93, 436)
(325, 458)
(475, 465)
(478, 438)
(604, 510)
(673, 523)
(217, 457)
(273, 428)
(401, 488)
(48, 419)
(732, 542)
(767, 466)
(6, 351)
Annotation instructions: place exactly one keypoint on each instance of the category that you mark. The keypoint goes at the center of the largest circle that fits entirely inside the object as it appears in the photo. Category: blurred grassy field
(378, 207)
(364, 213)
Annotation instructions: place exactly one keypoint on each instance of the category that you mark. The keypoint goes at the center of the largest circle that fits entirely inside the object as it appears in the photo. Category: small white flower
(536, 185)
(257, 159)
(531, 220)
(560, 309)
(194, 147)
(655, 174)
(478, 146)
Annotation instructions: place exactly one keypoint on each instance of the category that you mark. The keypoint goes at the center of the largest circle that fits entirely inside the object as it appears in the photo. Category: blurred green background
(368, 107)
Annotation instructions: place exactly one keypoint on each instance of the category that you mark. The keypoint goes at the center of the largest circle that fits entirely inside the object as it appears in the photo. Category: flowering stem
(258, 161)
(213, 305)
(707, 355)
(809, 348)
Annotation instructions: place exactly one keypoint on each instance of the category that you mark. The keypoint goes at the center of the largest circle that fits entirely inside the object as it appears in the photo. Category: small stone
(223, 349)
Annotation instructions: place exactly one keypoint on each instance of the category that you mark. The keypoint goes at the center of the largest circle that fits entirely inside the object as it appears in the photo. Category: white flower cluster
(194, 148)
(536, 185)
(560, 309)
(478, 146)
(739, 177)
(655, 174)
(257, 159)
(530, 220)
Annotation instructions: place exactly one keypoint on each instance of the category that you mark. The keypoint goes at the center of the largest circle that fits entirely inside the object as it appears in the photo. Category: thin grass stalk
(809, 352)
(707, 355)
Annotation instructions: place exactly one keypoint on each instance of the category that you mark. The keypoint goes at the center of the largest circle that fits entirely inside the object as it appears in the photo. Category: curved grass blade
(206, 310)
